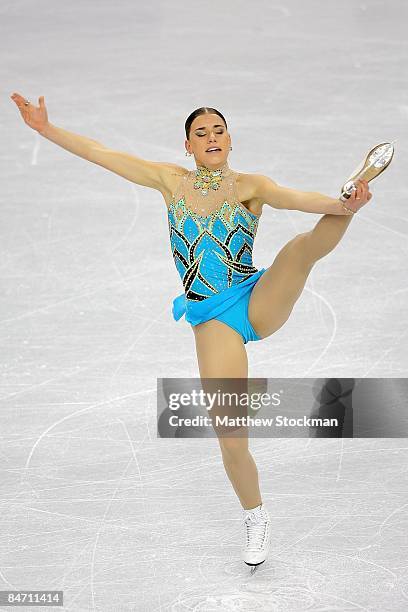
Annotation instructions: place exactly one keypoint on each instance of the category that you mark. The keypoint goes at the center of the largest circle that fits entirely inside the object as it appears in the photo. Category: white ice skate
(257, 525)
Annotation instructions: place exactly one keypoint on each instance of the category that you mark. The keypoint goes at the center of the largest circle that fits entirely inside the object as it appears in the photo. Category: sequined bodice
(211, 251)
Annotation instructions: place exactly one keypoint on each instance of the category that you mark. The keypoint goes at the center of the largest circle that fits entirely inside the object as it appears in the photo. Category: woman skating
(213, 214)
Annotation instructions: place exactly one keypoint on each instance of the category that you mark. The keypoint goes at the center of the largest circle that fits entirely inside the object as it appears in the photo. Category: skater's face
(209, 131)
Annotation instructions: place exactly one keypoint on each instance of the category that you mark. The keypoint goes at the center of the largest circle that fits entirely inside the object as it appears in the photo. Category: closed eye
(199, 135)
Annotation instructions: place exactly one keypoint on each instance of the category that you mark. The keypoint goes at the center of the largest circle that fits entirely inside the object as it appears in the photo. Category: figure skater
(213, 214)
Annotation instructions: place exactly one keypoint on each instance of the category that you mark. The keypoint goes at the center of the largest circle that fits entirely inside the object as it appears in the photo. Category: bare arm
(74, 143)
(135, 169)
(283, 197)
(140, 171)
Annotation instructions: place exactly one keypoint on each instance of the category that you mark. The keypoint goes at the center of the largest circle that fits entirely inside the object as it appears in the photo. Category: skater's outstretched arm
(307, 201)
(143, 172)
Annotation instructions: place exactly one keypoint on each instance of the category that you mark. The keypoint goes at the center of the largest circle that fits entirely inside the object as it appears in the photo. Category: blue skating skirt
(210, 308)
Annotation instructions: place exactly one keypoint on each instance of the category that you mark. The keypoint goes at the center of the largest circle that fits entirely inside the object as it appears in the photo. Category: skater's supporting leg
(221, 354)
(241, 470)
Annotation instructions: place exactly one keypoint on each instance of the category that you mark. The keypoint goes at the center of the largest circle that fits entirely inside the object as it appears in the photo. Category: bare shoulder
(171, 174)
(249, 192)
(263, 190)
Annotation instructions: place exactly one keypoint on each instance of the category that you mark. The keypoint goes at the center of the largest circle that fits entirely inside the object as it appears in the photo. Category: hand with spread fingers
(34, 116)
(359, 197)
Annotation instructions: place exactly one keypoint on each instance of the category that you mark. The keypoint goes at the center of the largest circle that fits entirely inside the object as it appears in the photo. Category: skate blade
(377, 160)
(254, 567)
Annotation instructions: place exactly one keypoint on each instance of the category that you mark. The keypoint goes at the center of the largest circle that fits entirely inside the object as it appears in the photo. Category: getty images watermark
(281, 407)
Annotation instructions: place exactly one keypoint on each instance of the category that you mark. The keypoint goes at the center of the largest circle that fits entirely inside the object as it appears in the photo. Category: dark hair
(201, 111)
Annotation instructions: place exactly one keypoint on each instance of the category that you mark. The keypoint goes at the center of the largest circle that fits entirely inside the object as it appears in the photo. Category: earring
(230, 148)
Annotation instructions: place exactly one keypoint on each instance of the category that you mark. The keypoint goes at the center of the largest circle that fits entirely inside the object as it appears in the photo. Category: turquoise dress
(213, 254)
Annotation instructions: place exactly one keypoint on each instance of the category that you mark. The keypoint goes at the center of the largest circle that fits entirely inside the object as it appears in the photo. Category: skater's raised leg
(278, 289)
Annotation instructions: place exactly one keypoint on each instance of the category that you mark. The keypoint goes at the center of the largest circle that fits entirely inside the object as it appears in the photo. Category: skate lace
(255, 532)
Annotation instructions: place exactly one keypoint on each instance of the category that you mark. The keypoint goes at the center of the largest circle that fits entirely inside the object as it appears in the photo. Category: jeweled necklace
(208, 179)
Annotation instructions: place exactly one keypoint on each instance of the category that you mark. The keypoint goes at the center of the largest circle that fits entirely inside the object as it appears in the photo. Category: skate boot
(257, 524)
(377, 160)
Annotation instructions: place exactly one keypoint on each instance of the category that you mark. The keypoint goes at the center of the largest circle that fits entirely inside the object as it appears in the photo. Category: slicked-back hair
(201, 111)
